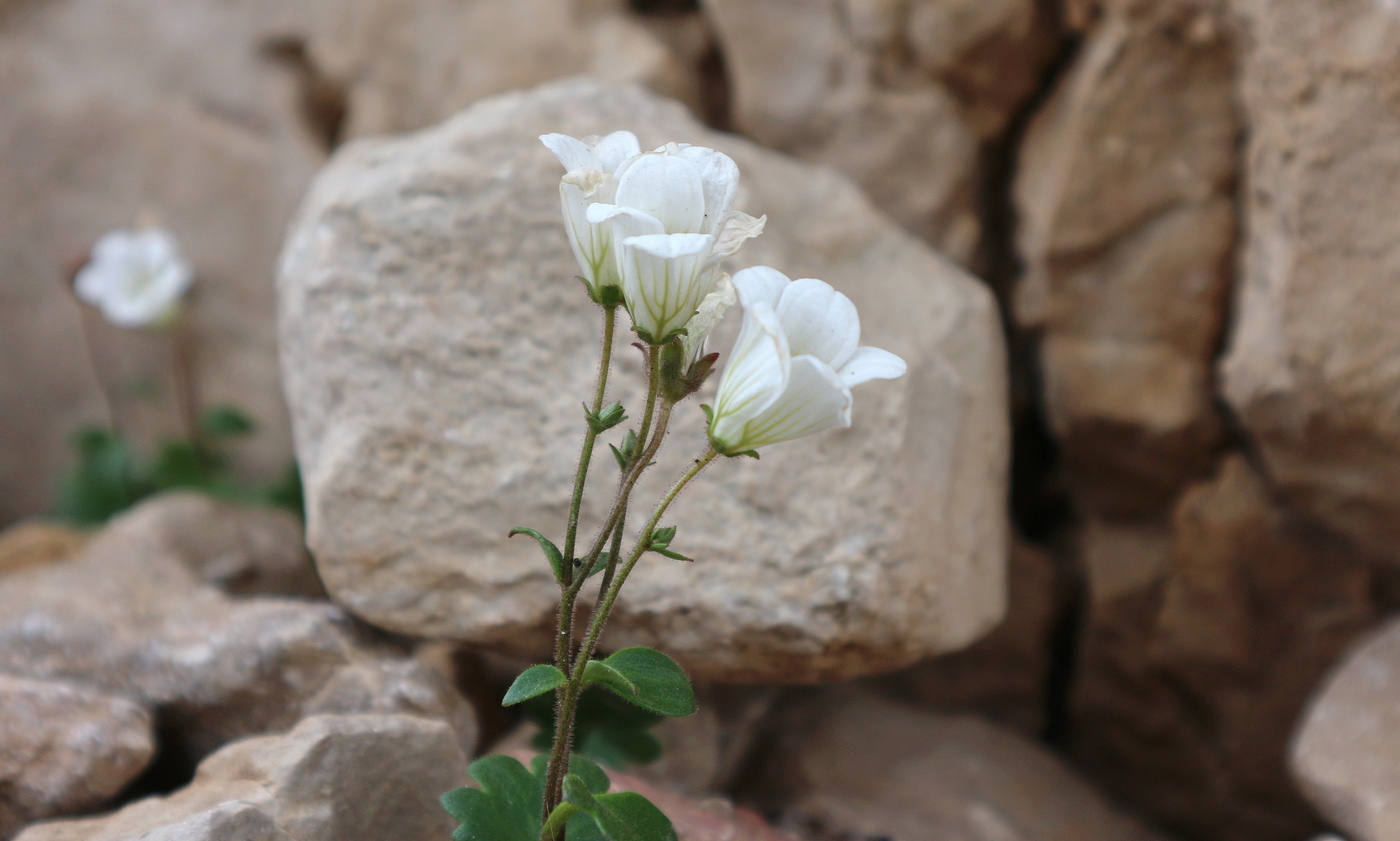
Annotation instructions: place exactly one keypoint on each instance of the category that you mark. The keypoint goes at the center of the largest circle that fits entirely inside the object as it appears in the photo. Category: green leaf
(225, 422)
(556, 558)
(600, 673)
(662, 686)
(505, 808)
(675, 556)
(105, 480)
(619, 457)
(606, 729)
(535, 680)
(662, 537)
(626, 816)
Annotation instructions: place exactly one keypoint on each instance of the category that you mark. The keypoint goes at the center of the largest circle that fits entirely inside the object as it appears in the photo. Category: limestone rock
(35, 543)
(333, 778)
(890, 92)
(1125, 193)
(1203, 640)
(853, 765)
(1313, 367)
(432, 346)
(214, 116)
(128, 616)
(66, 748)
(1346, 754)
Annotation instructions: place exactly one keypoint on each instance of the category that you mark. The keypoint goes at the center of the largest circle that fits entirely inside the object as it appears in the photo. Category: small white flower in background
(590, 177)
(794, 364)
(673, 225)
(135, 277)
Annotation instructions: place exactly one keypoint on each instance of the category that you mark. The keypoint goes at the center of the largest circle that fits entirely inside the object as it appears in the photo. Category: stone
(1313, 365)
(431, 340)
(850, 764)
(67, 748)
(889, 92)
(35, 543)
(1346, 754)
(1203, 639)
(213, 117)
(1125, 194)
(332, 778)
(1005, 675)
(128, 616)
(705, 753)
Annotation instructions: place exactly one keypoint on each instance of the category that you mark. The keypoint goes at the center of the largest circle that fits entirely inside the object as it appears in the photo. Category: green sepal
(627, 451)
(609, 295)
(535, 680)
(556, 558)
(661, 541)
(661, 684)
(621, 459)
(753, 454)
(598, 672)
(709, 413)
(505, 808)
(609, 416)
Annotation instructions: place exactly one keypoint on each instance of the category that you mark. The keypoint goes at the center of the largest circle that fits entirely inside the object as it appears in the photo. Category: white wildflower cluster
(655, 226)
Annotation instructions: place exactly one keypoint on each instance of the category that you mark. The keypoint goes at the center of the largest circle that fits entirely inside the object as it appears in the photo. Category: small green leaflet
(535, 680)
(660, 684)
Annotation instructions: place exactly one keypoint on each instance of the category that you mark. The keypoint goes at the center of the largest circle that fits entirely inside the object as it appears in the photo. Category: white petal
(720, 177)
(707, 316)
(613, 149)
(625, 221)
(760, 284)
(666, 188)
(756, 374)
(819, 321)
(871, 363)
(662, 280)
(573, 153)
(736, 228)
(591, 242)
(813, 400)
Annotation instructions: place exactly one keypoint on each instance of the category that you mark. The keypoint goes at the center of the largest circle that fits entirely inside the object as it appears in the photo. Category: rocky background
(1119, 559)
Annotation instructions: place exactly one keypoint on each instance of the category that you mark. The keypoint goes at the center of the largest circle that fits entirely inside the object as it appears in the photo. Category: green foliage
(608, 417)
(660, 542)
(606, 729)
(600, 673)
(551, 552)
(661, 685)
(622, 816)
(535, 680)
(110, 476)
(628, 451)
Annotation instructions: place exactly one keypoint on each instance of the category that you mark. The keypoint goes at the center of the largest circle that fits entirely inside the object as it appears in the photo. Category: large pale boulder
(213, 115)
(1313, 367)
(435, 351)
(848, 764)
(1346, 754)
(128, 616)
(333, 778)
(1204, 637)
(896, 94)
(1125, 193)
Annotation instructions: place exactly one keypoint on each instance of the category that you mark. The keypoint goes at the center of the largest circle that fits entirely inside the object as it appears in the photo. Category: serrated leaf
(551, 552)
(662, 686)
(505, 808)
(535, 680)
(600, 673)
(628, 816)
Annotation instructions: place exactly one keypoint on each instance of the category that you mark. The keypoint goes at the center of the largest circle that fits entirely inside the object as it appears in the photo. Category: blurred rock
(35, 543)
(853, 765)
(333, 778)
(430, 341)
(1202, 643)
(896, 94)
(1313, 367)
(67, 748)
(1346, 754)
(213, 116)
(1125, 193)
(128, 616)
(705, 753)
(701, 819)
(1004, 675)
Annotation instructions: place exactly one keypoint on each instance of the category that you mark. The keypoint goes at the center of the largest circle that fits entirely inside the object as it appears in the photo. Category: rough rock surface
(889, 92)
(1313, 367)
(1203, 641)
(213, 116)
(1125, 194)
(333, 778)
(66, 748)
(1346, 754)
(434, 350)
(35, 543)
(128, 616)
(853, 765)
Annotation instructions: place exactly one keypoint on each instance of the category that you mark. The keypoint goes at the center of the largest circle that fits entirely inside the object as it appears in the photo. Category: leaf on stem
(598, 672)
(535, 680)
(661, 684)
(607, 729)
(623, 816)
(661, 541)
(505, 808)
(608, 417)
(556, 558)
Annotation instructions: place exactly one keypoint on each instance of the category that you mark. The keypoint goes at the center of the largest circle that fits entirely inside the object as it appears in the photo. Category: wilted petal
(736, 228)
(662, 280)
(573, 153)
(819, 321)
(707, 316)
(760, 284)
(666, 188)
(871, 363)
(613, 149)
(756, 374)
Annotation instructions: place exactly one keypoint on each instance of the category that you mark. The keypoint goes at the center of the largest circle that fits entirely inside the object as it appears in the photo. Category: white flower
(794, 364)
(591, 165)
(673, 225)
(135, 277)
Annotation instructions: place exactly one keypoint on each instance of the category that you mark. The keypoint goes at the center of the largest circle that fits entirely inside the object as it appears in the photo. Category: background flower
(135, 277)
